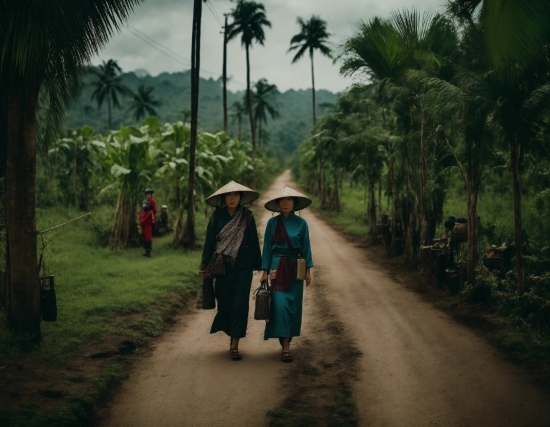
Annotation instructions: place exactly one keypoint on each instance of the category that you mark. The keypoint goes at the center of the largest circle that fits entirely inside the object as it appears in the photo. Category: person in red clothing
(149, 196)
(146, 221)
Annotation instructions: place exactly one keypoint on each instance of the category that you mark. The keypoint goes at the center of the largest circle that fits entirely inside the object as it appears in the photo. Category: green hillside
(173, 90)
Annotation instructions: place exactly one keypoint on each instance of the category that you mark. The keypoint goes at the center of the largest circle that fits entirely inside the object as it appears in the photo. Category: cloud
(157, 38)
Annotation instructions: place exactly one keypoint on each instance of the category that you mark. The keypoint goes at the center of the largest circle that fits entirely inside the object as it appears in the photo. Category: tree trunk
(225, 75)
(178, 224)
(124, 226)
(422, 184)
(109, 110)
(372, 205)
(394, 199)
(313, 88)
(409, 244)
(520, 269)
(24, 289)
(259, 134)
(74, 173)
(190, 237)
(472, 191)
(249, 103)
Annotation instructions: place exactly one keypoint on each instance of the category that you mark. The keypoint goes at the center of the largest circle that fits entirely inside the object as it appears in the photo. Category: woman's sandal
(235, 355)
(286, 357)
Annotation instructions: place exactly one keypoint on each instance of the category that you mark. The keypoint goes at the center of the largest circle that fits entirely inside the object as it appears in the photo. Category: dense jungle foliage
(442, 131)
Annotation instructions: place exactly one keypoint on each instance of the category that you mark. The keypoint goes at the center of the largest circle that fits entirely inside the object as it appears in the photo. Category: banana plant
(76, 162)
(130, 166)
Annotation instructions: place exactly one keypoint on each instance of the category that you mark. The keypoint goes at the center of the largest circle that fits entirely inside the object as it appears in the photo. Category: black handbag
(262, 295)
(48, 300)
(208, 296)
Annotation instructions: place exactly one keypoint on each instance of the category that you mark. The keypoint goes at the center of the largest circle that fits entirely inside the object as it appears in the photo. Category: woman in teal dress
(286, 238)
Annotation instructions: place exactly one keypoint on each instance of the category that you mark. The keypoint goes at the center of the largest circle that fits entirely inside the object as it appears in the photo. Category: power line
(169, 52)
(156, 48)
(160, 44)
(214, 14)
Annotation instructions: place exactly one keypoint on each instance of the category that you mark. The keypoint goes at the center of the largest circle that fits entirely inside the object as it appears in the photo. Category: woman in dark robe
(286, 238)
(231, 252)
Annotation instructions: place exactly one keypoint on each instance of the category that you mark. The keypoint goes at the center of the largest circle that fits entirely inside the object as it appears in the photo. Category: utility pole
(225, 73)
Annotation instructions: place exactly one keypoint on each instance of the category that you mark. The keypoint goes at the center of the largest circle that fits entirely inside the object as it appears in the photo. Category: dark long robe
(233, 288)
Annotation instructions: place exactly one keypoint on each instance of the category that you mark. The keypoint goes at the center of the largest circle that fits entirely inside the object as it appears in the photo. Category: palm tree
(313, 36)
(108, 86)
(263, 104)
(238, 110)
(514, 30)
(143, 103)
(45, 48)
(248, 21)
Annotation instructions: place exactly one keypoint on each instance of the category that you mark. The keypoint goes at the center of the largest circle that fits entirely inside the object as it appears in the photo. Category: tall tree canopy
(313, 36)
(248, 20)
(108, 86)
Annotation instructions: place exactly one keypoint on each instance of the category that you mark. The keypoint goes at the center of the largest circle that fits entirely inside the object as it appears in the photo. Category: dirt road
(418, 367)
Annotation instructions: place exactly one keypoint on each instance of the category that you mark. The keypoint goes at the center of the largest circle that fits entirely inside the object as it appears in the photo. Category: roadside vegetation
(111, 301)
(447, 127)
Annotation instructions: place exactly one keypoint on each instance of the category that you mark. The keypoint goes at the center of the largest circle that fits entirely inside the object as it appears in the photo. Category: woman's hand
(308, 277)
(264, 277)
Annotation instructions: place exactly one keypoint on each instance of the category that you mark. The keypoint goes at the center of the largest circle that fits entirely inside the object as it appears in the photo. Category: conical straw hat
(248, 196)
(300, 201)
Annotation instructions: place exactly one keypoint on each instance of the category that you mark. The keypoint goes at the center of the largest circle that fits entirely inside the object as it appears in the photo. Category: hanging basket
(48, 300)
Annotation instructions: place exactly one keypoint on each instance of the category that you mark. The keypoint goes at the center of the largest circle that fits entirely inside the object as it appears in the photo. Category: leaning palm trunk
(520, 269)
(23, 309)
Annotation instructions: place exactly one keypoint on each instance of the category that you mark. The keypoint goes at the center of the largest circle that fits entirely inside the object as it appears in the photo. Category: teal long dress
(286, 314)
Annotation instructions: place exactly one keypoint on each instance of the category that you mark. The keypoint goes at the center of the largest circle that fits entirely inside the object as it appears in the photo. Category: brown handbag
(262, 295)
(300, 269)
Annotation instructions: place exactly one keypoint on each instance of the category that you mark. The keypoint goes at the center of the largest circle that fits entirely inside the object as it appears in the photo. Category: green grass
(353, 216)
(94, 285)
(100, 294)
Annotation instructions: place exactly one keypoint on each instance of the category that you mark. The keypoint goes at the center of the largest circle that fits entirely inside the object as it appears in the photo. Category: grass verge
(110, 304)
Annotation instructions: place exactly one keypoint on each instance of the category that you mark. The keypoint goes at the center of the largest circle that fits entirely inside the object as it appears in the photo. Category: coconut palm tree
(108, 86)
(238, 111)
(46, 47)
(313, 36)
(263, 104)
(143, 103)
(248, 21)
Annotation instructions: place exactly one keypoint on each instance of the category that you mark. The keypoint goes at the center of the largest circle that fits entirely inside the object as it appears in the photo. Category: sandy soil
(418, 367)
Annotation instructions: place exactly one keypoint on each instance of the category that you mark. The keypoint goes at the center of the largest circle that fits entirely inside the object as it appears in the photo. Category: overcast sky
(166, 25)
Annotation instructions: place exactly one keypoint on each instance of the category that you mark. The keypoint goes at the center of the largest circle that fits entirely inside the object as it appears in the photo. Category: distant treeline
(173, 91)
